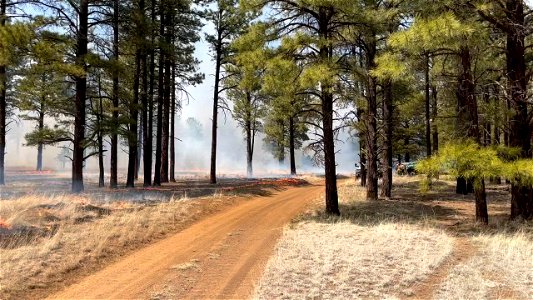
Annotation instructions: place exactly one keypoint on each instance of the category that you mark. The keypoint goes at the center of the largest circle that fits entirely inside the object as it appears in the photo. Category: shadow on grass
(440, 208)
(370, 213)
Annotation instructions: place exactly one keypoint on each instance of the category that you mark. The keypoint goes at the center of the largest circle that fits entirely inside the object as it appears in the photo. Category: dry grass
(48, 237)
(400, 248)
(349, 258)
(502, 269)
(344, 260)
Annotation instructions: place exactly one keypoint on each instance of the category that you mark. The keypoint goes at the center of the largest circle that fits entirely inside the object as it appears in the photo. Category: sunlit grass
(51, 236)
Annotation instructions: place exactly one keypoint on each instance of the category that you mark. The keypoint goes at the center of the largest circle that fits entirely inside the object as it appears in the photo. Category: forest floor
(414, 246)
(50, 239)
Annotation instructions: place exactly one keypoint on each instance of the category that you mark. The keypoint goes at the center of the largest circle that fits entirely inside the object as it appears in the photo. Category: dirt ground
(218, 257)
(78, 240)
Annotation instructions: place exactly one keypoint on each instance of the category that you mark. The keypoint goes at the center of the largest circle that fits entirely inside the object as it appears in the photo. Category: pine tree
(229, 22)
(312, 27)
(511, 20)
(15, 37)
(41, 92)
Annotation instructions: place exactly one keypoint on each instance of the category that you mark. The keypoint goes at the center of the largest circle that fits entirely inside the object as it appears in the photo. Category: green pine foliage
(474, 162)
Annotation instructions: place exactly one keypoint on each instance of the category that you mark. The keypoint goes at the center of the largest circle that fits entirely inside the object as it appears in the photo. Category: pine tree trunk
(140, 142)
(166, 99)
(407, 156)
(467, 114)
(520, 123)
(3, 101)
(332, 201)
(371, 133)
(461, 186)
(165, 128)
(160, 93)
(3, 112)
(40, 146)
(332, 198)
(115, 121)
(371, 124)
(134, 116)
(142, 91)
(249, 151)
(386, 187)
(482, 215)
(362, 159)
(362, 149)
(81, 96)
(214, 128)
(281, 151)
(428, 106)
(101, 172)
(148, 147)
(434, 116)
(292, 146)
(250, 123)
(100, 135)
(172, 126)
(468, 121)
(39, 157)
(146, 124)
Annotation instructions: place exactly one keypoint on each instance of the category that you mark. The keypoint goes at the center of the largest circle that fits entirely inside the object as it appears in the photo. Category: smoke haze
(193, 146)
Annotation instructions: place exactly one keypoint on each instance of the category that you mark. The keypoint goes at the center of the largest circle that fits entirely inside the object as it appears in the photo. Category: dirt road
(219, 257)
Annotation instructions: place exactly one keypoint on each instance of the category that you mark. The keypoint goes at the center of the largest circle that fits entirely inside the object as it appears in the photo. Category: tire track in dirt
(230, 248)
(462, 251)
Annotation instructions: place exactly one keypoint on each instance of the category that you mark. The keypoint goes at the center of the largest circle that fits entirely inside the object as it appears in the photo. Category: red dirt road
(221, 256)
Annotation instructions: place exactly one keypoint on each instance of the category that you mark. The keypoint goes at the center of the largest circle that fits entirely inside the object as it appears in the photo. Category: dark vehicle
(411, 168)
(408, 168)
(358, 171)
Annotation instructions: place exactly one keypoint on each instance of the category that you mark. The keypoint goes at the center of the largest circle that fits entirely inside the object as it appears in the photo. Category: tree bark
(362, 148)
(482, 215)
(146, 124)
(100, 135)
(406, 142)
(281, 144)
(81, 95)
(140, 138)
(292, 146)
(332, 198)
(115, 121)
(3, 101)
(101, 172)
(160, 93)
(148, 141)
(249, 151)
(166, 99)
(142, 85)
(386, 187)
(428, 106)
(134, 116)
(172, 126)
(250, 123)
(40, 146)
(371, 126)
(214, 128)
(520, 121)
(468, 121)
(434, 116)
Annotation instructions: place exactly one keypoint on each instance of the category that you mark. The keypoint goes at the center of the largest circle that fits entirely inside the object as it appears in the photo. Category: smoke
(193, 142)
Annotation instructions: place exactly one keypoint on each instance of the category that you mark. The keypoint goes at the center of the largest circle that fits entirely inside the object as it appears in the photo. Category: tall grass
(82, 234)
